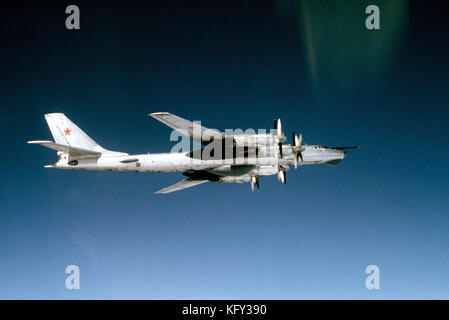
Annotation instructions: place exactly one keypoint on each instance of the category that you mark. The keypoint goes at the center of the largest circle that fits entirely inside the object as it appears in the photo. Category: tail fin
(65, 132)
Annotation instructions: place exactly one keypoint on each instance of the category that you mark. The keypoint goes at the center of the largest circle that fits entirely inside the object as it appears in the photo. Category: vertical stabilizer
(65, 132)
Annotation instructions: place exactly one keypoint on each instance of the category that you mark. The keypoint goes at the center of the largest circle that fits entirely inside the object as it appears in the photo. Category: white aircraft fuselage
(180, 161)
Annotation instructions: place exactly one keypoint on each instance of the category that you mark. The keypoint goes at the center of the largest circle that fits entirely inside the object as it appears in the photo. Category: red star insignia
(67, 131)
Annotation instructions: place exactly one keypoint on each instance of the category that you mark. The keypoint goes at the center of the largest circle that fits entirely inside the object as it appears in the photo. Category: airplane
(226, 158)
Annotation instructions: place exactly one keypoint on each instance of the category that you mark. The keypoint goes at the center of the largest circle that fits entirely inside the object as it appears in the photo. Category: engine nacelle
(239, 179)
(254, 140)
(230, 170)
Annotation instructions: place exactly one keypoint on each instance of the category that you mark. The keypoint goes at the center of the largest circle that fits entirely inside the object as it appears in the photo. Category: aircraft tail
(65, 132)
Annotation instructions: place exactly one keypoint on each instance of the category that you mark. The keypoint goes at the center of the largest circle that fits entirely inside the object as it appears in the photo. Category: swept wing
(184, 184)
(187, 128)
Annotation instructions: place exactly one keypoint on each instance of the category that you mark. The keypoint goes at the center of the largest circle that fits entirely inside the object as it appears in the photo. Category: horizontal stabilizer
(73, 151)
(184, 184)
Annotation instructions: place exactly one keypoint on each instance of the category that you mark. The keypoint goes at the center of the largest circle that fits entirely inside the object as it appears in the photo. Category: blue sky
(230, 67)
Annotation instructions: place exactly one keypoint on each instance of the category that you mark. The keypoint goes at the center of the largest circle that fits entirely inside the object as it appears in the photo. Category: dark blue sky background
(230, 65)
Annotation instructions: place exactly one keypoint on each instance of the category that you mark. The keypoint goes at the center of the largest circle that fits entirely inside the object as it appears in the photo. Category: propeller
(254, 182)
(281, 138)
(297, 149)
(280, 134)
(282, 176)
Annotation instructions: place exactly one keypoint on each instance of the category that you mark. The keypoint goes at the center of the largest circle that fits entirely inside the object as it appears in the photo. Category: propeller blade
(280, 149)
(295, 161)
(279, 127)
(254, 181)
(282, 176)
(297, 141)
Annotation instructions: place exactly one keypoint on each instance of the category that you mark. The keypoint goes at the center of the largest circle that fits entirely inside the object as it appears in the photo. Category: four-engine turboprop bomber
(237, 158)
